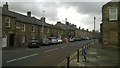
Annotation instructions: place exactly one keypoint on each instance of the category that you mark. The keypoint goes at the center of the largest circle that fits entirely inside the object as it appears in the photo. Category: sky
(78, 12)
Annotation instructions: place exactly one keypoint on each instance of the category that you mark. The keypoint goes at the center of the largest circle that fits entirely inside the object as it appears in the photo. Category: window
(113, 14)
(33, 28)
(7, 21)
(23, 39)
(23, 27)
(41, 29)
(48, 30)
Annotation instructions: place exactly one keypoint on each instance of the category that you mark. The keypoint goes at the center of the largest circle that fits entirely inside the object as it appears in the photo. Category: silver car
(71, 39)
(59, 40)
(53, 40)
(45, 41)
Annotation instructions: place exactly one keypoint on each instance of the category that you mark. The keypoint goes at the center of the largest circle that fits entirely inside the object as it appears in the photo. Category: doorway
(4, 41)
(11, 40)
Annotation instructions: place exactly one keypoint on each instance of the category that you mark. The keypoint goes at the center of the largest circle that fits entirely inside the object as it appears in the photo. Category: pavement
(97, 57)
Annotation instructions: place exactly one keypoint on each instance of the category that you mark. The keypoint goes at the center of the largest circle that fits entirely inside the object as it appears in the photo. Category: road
(43, 56)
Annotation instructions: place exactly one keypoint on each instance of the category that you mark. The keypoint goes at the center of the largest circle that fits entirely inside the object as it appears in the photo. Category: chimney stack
(43, 19)
(82, 28)
(79, 27)
(87, 29)
(67, 23)
(29, 14)
(5, 6)
(58, 21)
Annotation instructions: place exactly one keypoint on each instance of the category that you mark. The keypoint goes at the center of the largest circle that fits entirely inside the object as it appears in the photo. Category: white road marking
(51, 50)
(34, 54)
(22, 58)
(11, 60)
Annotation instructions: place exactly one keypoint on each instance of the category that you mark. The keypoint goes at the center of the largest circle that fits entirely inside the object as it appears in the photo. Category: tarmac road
(43, 56)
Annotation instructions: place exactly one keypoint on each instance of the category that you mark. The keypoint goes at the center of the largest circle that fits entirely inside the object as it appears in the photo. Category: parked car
(53, 40)
(45, 41)
(33, 43)
(59, 40)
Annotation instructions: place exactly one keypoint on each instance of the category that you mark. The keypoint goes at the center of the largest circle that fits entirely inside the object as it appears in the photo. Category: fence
(75, 55)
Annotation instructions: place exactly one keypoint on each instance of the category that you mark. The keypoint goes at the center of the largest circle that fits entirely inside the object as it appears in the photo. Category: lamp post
(43, 24)
(94, 30)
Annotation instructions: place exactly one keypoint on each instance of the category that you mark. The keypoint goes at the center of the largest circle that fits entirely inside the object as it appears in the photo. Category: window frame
(48, 30)
(116, 14)
(23, 27)
(7, 22)
(33, 28)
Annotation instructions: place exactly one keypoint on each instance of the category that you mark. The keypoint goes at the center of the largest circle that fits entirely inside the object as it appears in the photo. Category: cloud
(36, 8)
(90, 9)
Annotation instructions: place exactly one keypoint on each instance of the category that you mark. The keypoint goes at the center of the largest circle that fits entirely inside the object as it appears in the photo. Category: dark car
(33, 43)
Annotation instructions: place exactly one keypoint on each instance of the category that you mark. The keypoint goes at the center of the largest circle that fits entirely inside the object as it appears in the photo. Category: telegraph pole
(94, 30)
(43, 24)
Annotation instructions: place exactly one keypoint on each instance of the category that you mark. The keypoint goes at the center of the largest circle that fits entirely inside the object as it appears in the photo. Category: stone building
(69, 29)
(119, 26)
(109, 26)
(84, 33)
(74, 32)
(18, 29)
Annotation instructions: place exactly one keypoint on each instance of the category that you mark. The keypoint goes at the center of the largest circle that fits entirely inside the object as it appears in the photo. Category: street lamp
(94, 30)
(43, 23)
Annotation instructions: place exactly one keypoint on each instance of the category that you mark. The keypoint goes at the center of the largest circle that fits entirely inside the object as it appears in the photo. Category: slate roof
(33, 20)
(61, 25)
(65, 27)
(24, 18)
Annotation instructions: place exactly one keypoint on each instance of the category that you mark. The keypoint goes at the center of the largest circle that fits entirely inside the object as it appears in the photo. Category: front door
(11, 40)
(4, 41)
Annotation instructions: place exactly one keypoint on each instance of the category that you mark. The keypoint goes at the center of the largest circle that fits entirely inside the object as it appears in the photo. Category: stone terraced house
(18, 29)
(110, 26)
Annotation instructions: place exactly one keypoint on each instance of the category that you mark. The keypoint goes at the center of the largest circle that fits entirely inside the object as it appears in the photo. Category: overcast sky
(80, 13)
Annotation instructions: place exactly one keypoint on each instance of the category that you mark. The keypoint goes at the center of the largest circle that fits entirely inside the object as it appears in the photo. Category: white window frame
(23, 27)
(7, 22)
(48, 30)
(33, 28)
(110, 14)
(23, 39)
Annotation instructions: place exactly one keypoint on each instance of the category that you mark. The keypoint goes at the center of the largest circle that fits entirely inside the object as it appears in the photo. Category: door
(4, 41)
(11, 40)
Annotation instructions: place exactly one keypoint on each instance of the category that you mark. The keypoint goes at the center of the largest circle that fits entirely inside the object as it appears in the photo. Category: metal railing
(75, 55)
